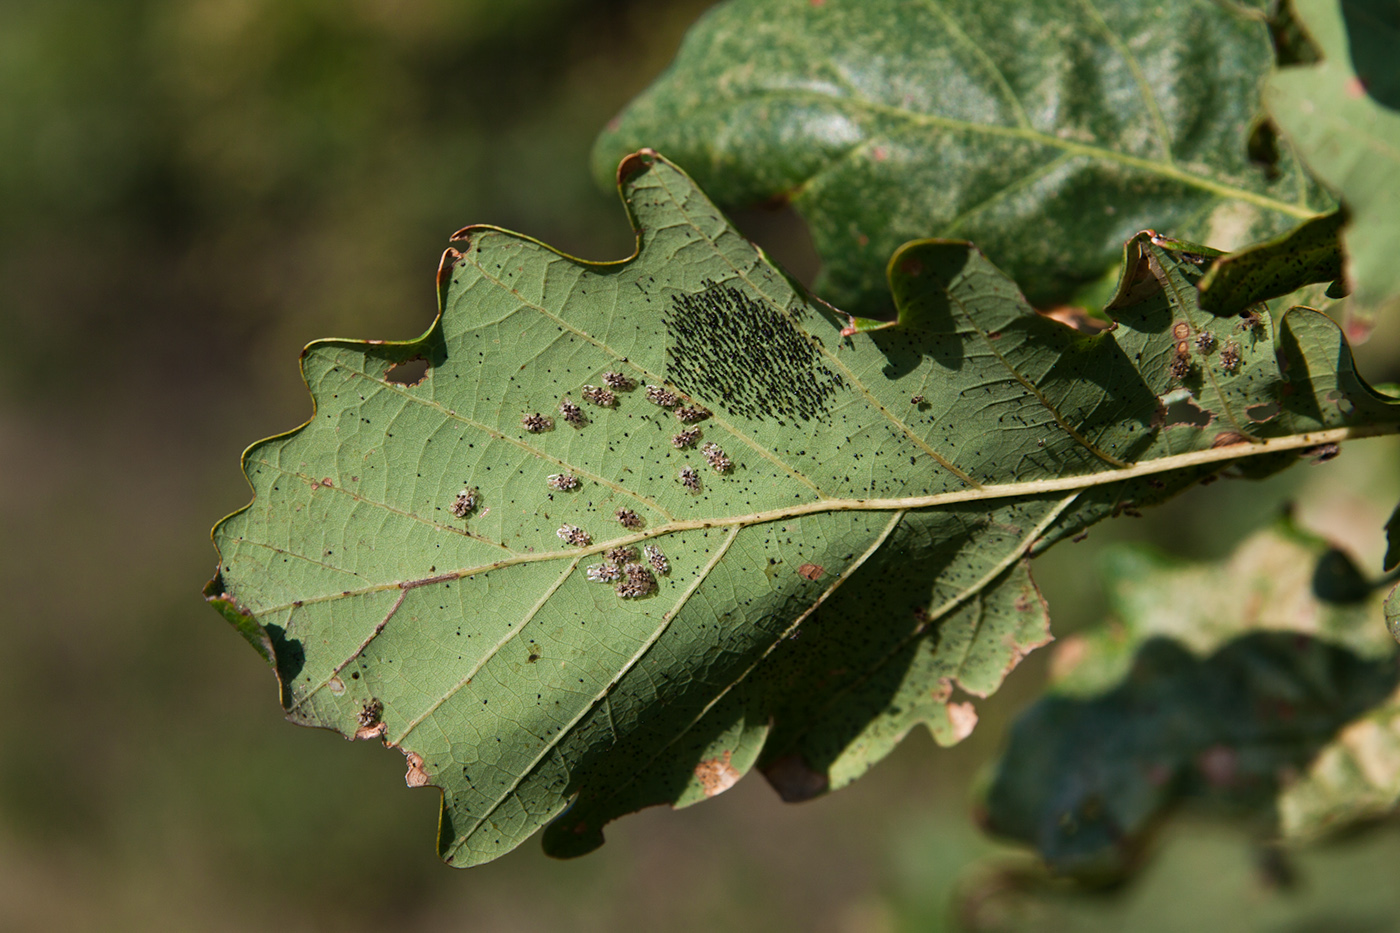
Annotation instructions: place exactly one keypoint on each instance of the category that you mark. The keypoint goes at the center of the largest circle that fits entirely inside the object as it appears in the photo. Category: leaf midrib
(1171, 171)
(906, 503)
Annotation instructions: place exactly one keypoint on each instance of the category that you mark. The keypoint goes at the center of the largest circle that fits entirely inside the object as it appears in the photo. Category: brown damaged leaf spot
(963, 718)
(416, 776)
(1228, 439)
(324, 481)
(717, 775)
(376, 731)
(811, 571)
(794, 781)
(449, 259)
(634, 164)
(1077, 318)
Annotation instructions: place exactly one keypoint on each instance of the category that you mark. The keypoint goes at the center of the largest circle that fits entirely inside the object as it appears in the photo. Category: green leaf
(858, 560)
(1308, 254)
(1047, 135)
(1343, 116)
(1215, 683)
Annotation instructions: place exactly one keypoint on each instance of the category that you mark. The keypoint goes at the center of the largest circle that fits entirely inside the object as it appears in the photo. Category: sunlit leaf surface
(517, 564)
(1047, 133)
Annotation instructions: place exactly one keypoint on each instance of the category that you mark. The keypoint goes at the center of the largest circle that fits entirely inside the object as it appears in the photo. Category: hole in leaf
(1262, 412)
(408, 373)
(1263, 148)
(1181, 409)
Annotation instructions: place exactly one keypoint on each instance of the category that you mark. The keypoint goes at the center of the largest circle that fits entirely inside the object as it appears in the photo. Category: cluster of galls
(716, 458)
(573, 534)
(631, 578)
(466, 502)
(564, 482)
(1180, 366)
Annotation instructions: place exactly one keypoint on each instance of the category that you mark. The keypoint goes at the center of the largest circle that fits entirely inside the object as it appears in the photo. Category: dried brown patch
(1228, 439)
(811, 571)
(717, 775)
(416, 776)
(1076, 317)
(963, 718)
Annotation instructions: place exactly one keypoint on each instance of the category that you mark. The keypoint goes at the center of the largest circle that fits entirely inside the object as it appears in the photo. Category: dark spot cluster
(686, 439)
(466, 502)
(690, 414)
(599, 396)
(564, 482)
(633, 580)
(619, 382)
(573, 534)
(1230, 357)
(370, 714)
(637, 581)
(537, 423)
(572, 413)
(748, 354)
(658, 561)
(629, 519)
(716, 458)
(660, 395)
(690, 479)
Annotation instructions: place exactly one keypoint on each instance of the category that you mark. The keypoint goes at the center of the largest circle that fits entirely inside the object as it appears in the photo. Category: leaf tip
(635, 164)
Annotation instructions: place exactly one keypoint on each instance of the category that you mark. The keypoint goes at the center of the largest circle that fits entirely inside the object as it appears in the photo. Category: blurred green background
(190, 190)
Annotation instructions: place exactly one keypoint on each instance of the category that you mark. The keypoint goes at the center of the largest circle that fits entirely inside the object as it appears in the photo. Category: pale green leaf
(858, 569)
(1343, 116)
(1047, 133)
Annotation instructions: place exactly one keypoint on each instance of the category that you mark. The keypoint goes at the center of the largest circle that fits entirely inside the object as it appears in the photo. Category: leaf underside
(1048, 137)
(859, 568)
(1261, 684)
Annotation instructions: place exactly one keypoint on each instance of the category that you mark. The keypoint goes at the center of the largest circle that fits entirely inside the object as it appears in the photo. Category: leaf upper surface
(1047, 134)
(1343, 115)
(858, 559)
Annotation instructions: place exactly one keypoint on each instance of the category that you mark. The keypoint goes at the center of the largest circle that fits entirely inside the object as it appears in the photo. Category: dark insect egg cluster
(1230, 358)
(1181, 362)
(573, 534)
(564, 482)
(690, 479)
(686, 438)
(659, 395)
(599, 396)
(690, 414)
(370, 714)
(1205, 341)
(629, 519)
(537, 423)
(604, 573)
(658, 561)
(637, 581)
(466, 502)
(572, 413)
(750, 354)
(621, 555)
(619, 382)
(716, 458)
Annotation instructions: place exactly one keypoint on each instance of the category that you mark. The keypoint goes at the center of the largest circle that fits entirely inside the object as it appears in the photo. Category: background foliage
(191, 191)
